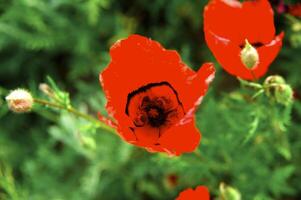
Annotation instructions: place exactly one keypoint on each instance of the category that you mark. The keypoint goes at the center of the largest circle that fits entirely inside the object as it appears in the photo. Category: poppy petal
(237, 21)
(201, 193)
(147, 136)
(198, 87)
(181, 138)
(295, 10)
(267, 54)
(127, 134)
(228, 55)
(107, 121)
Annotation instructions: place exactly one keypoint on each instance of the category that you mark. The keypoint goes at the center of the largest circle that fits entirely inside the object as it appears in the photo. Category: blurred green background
(53, 155)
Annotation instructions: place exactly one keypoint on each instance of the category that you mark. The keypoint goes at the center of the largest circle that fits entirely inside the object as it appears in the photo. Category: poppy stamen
(155, 110)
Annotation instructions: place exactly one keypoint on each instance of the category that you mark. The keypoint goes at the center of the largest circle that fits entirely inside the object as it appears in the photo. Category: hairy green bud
(249, 56)
(274, 79)
(229, 193)
(284, 94)
(277, 89)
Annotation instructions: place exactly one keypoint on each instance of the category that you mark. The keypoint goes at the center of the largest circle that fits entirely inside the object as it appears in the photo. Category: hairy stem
(76, 113)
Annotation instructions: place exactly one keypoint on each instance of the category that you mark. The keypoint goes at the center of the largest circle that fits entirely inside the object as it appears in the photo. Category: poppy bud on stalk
(275, 79)
(46, 90)
(277, 89)
(284, 94)
(19, 101)
(271, 84)
(229, 193)
(249, 56)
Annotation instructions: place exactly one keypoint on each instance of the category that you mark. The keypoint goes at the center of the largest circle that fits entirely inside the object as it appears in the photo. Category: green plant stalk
(254, 76)
(76, 113)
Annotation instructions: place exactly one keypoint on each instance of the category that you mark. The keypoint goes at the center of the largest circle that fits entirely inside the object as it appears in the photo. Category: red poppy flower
(296, 95)
(295, 10)
(228, 23)
(172, 180)
(153, 95)
(200, 193)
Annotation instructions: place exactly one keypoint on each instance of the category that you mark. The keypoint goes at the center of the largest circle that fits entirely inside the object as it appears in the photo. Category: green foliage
(8, 186)
(249, 141)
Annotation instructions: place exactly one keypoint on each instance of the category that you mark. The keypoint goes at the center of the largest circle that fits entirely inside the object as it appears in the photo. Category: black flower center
(156, 105)
(254, 44)
(154, 111)
(156, 117)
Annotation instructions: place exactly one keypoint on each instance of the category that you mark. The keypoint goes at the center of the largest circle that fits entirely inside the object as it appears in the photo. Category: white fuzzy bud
(19, 101)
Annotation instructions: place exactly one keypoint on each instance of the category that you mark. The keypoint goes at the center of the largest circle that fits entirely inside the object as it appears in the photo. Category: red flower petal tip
(200, 193)
(228, 23)
(152, 95)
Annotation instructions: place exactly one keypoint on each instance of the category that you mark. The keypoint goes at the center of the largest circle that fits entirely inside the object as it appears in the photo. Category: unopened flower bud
(19, 101)
(46, 89)
(271, 83)
(277, 89)
(229, 193)
(275, 79)
(284, 94)
(249, 56)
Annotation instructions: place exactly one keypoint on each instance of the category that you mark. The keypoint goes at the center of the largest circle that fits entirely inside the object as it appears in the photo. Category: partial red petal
(239, 21)
(127, 134)
(106, 121)
(295, 10)
(198, 86)
(228, 55)
(181, 138)
(258, 15)
(200, 193)
(267, 54)
(147, 136)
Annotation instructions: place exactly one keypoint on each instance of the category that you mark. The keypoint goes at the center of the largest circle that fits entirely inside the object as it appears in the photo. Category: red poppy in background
(200, 193)
(173, 180)
(153, 95)
(295, 10)
(229, 23)
(292, 9)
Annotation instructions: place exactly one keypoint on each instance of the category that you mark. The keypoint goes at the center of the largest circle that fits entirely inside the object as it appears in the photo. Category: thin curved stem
(255, 79)
(76, 113)
(250, 84)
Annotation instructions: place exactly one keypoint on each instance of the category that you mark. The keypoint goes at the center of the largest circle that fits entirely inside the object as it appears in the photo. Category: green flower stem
(255, 79)
(76, 113)
(250, 84)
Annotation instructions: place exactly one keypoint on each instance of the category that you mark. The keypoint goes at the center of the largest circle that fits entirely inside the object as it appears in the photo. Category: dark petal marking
(144, 89)
(254, 44)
